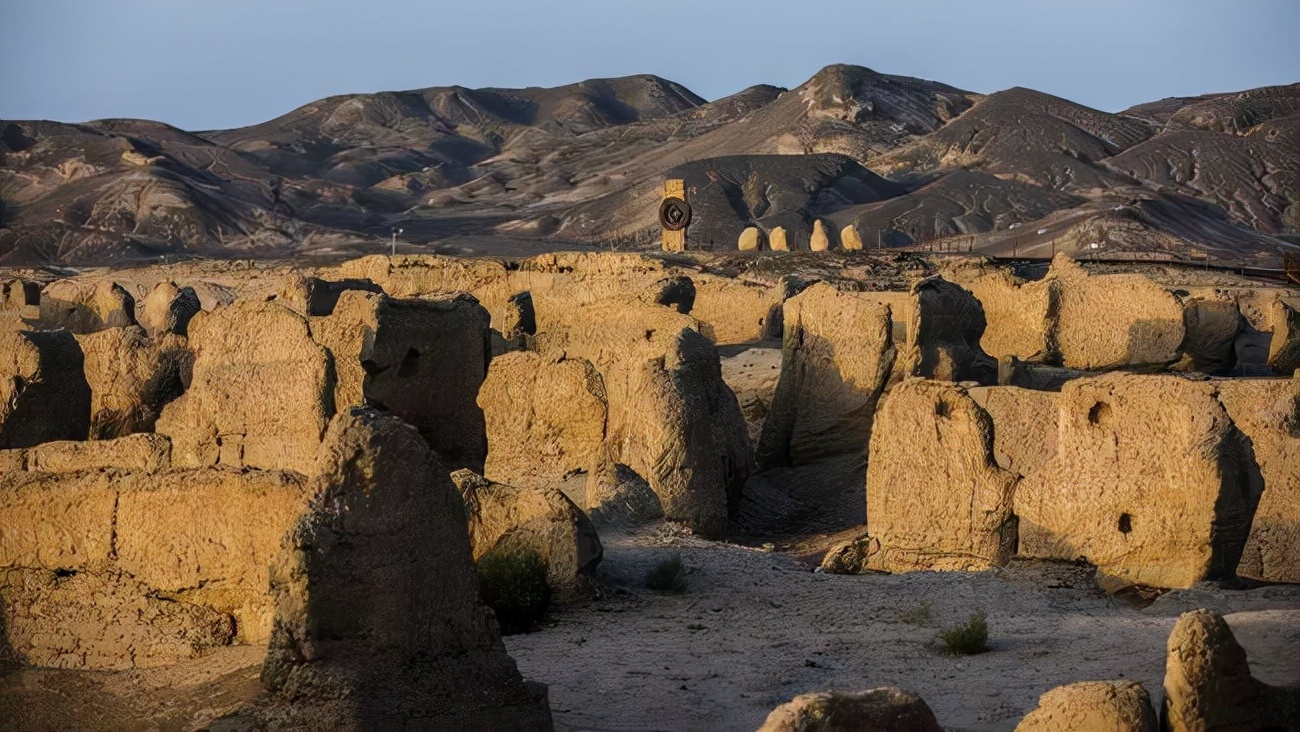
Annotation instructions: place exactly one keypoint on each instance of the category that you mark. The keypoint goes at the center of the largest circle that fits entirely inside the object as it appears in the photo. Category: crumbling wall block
(422, 359)
(545, 418)
(1112, 321)
(261, 393)
(943, 335)
(378, 619)
(141, 453)
(132, 377)
(1151, 482)
(168, 309)
(936, 498)
(1267, 411)
(85, 307)
(43, 391)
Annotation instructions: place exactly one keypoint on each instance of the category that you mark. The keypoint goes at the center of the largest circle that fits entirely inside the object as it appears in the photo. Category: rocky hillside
(907, 161)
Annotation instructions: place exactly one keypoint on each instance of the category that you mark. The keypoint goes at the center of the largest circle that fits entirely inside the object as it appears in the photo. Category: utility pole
(396, 231)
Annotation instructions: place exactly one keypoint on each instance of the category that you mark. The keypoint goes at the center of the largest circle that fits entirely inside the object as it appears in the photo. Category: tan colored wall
(1109, 321)
(142, 452)
(422, 359)
(936, 499)
(1268, 412)
(259, 393)
(114, 569)
(1021, 315)
(837, 355)
(671, 417)
(1024, 425)
(545, 418)
(1150, 483)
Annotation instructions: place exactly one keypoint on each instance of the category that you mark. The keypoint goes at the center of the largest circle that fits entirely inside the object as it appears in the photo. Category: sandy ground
(759, 627)
(752, 370)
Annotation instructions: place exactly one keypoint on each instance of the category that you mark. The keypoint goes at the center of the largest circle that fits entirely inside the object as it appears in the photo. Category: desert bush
(514, 585)
(918, 614)
(669, 575)
(968, 638)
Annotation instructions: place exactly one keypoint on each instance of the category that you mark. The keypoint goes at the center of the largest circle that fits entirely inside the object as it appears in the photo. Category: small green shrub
(668, 575)
(514, 585)
(969, 638)
(918, 614)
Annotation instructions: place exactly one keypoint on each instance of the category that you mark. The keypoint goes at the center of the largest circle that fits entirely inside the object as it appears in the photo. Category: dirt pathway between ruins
(756, 628)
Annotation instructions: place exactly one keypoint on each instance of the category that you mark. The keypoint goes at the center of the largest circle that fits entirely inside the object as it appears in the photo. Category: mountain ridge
(582, 165)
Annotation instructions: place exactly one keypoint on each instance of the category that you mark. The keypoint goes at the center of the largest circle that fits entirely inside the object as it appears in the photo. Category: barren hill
(906, 160)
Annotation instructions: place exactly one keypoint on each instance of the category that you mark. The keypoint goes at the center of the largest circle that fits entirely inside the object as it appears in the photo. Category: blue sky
(203, 64)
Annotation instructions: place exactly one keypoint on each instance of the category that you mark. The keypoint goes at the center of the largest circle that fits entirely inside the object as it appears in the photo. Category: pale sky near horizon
(207, 64)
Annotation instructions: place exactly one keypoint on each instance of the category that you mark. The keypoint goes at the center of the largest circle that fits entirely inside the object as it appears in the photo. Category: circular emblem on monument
(674, 214)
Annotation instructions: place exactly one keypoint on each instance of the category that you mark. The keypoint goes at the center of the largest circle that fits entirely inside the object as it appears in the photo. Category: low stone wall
(116, 568)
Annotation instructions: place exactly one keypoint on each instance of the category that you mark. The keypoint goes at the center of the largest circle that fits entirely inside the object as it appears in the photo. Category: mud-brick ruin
(299, 466)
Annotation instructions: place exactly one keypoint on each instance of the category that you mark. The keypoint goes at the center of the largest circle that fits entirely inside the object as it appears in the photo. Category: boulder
(132, 377)
(1284, 346)
(260, 395)
(378, 619)
(1267, 411)
(943, 335)
(751, 239)
(671, 417)
(1208, 685)
(85, 307)
(819, 242)
(421, 359)
(545, 418)
(776, 239)
(141, 453)
(850, 556)
(1113, 321)
(168, 309)
(849, 239)
(43, 391)
(614, 495)
(936, 498)
(1024, 425)
(1211, 327)
(508, 519)
(836, 357)
(887, 709)
(1151, 482)
(1093, 706)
